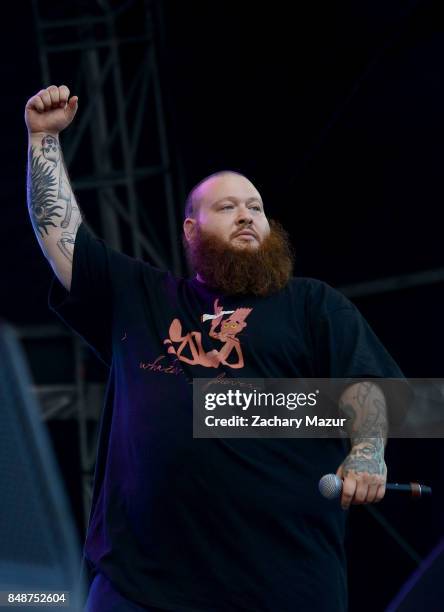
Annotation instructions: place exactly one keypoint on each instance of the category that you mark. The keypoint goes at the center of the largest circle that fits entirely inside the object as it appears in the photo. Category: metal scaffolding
(116, 96)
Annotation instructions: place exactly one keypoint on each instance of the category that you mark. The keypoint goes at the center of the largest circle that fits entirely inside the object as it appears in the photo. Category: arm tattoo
(367, 456)
(67, 241)
(65, 194)
(48, 176)
(41, 201)
(52, 152)
(364, 406)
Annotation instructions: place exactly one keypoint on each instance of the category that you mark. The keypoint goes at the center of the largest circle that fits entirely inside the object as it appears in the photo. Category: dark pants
(104, 598)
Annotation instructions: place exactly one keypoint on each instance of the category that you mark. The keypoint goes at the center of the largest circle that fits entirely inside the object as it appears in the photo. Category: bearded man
(195, 524)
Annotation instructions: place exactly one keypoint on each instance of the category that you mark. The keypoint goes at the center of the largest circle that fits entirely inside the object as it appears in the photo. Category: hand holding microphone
(330, 486)
(363, 473)
(362, 476)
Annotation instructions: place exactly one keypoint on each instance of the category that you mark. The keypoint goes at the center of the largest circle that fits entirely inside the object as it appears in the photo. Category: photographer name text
(274, 421)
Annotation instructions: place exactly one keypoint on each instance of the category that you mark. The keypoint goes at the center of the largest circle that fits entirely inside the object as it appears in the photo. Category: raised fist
(51, 110)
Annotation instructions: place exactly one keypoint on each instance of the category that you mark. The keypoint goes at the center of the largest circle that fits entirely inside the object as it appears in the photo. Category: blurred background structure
(333, 109)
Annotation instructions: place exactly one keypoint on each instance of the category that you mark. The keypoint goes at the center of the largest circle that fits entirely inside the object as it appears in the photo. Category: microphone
(330, 486)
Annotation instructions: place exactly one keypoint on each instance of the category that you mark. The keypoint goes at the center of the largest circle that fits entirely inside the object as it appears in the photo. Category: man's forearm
(54, 212)
(364, 406)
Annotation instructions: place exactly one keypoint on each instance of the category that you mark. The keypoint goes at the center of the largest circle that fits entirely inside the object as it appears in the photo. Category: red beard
(258, 270)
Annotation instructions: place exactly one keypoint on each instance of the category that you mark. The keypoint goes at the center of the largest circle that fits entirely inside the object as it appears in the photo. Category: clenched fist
(50, 110)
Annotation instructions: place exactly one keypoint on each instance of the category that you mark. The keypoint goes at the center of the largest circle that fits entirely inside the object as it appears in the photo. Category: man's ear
(189, 226)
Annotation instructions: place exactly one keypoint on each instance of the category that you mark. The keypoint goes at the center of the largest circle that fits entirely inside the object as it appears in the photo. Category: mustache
(244, 230)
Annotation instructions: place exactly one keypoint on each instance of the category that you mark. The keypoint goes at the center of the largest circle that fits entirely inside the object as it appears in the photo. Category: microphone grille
(330, 486)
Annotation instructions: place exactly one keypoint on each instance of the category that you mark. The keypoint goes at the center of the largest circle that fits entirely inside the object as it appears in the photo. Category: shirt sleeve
(87, 309)
(348, 349)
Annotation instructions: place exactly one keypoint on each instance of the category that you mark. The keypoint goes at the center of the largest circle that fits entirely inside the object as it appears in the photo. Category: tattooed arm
(52, 206)
(54, 212)
(364, 471)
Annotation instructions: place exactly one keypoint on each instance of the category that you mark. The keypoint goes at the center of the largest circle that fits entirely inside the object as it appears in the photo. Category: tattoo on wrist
(366, 456)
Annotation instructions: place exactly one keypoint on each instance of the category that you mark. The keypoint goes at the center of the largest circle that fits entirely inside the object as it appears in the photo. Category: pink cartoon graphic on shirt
(224, 330)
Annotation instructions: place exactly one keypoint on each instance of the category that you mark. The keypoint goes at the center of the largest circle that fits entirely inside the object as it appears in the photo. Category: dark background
(334, 110)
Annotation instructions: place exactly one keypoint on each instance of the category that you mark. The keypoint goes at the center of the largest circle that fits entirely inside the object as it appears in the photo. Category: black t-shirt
(211, 524)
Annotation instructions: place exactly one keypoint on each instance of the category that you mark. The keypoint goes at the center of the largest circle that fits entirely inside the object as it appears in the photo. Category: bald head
(210, 183)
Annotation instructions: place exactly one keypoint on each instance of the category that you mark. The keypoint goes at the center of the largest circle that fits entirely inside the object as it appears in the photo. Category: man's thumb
(73, 103)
